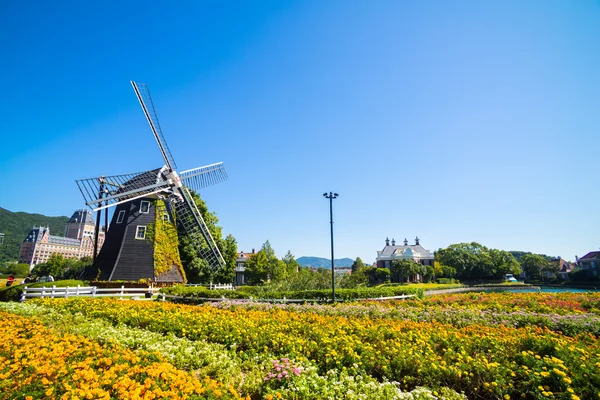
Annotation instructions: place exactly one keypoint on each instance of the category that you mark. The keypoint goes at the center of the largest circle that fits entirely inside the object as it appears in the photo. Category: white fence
(215, 286)
(88, 291)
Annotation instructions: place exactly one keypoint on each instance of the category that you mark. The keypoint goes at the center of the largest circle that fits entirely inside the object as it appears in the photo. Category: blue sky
(454, 121)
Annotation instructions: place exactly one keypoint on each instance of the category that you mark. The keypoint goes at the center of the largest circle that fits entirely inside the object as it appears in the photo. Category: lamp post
(331, 196)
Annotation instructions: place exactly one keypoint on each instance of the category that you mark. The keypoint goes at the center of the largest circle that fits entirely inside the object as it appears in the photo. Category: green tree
(382, 275)
(291, 265)
(404, 270)
(230, 251)
(533, 265)
(427, 272)
(54, 266)
(197, 270)
(471, 261)
(357, 265)
(18, 270)
(72, 268)
(504, 263)
(551, 269)
(257, 268)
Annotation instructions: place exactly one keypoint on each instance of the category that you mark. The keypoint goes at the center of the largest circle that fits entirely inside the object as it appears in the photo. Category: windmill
(137, 197)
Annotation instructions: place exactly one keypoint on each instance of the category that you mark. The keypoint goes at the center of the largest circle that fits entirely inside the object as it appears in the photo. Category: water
(548, 289)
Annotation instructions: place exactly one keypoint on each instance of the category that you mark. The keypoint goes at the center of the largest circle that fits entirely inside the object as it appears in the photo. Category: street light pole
(331, 196)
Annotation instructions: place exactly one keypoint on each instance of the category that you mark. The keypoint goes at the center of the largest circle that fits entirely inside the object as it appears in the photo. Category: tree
(382, 275)
(472, 261)
(551, 269)
(197, 270)
(291, 265)
(357, 265)
(257, 268)
(20, 270)
(54, 266)
(404, 270)
(533, 265)
(227, 274)
(504, 263)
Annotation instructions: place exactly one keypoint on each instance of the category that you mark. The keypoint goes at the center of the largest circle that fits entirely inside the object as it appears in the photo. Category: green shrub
(257, 292)
(13, 293)
(446, 280)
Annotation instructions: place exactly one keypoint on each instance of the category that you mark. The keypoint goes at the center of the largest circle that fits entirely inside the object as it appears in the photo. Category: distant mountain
(318, 262)
(16, 226)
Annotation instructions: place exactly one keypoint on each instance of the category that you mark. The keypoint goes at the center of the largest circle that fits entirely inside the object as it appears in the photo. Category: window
(165, 217)
(140, 233)
(121, 216)
(145, 207)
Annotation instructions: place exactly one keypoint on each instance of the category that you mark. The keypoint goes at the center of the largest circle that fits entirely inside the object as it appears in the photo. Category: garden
(475, 346)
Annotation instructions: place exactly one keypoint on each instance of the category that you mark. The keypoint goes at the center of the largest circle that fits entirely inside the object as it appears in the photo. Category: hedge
(247, 292)
(13, 293)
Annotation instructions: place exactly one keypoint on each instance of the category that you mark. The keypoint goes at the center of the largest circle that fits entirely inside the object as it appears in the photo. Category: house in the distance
(590, 263)
(406, 251)
(240, 267)
(78, 241)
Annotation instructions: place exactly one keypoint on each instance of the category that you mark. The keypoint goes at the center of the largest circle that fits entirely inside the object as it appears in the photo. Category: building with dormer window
(78, 241)
(406, 251)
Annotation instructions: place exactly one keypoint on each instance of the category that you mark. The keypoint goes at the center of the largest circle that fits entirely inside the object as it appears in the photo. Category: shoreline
(497, 288)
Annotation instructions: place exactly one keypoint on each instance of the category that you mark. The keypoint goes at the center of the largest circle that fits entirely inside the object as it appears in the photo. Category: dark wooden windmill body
(128, 254)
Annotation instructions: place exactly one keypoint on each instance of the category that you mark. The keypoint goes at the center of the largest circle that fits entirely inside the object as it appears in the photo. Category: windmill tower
(142, 240)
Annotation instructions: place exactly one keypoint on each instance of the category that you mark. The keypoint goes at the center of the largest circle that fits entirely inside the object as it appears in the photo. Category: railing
(215, 286)
(88, 291)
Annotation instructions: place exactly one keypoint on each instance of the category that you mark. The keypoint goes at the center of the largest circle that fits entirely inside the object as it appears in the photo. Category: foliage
(267, 292)
(265, 266)
(15, 269)
(357, 266)
(13, 293)
(163, 236)
(291, 265)
(446, 280)
(482, 360)
(16, 226)
(518, 254)
(533, 265)
(473, 261)
(62, 268)
(404, 270)
(197, 269)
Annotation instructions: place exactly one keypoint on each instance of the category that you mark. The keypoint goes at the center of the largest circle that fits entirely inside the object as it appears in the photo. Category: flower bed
(479, 359)
(37, 363)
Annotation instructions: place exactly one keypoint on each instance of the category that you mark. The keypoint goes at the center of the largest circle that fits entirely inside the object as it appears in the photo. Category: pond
(549, 289)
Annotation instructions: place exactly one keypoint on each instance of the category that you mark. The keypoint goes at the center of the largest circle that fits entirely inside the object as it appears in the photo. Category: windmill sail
(106, 191)
(127, 254)
(189, 217)
(199, 178)
(143, 94)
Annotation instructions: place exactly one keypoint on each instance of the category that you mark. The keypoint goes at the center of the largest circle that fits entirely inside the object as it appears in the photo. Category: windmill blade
(106, 191)
(199, 178)
(189, 217)
(143, 94)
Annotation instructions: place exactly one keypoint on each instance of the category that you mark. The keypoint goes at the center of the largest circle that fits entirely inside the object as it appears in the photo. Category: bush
(446, 281)
(13, 293)
(258, 292)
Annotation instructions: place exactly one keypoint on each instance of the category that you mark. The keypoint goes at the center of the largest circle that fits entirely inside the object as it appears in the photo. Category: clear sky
(455, 121)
